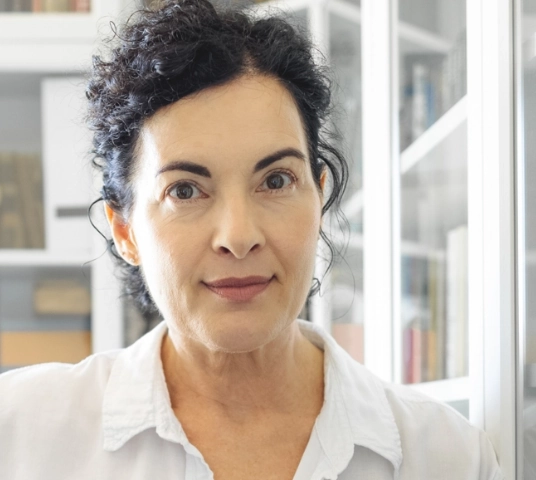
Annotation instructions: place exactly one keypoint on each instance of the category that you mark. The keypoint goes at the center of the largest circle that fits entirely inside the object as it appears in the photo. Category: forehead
(240, 120)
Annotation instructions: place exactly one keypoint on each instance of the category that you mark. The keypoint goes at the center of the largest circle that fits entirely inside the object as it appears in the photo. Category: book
(6, 6)
(454, 73)
(36, 6)
(457, 307)
(414, 322)
(421, 99)
(21, 5)
(55, 5)
(419, 117)
(436, 333)
(412, 348)
(81, 6)
(61, 297)
(30, 185)
(30, 348)
(12, 231)
(21, 201)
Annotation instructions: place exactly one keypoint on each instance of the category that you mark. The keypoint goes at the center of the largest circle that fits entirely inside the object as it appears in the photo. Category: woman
(207, 130)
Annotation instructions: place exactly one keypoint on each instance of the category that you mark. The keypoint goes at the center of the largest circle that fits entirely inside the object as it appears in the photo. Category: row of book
(435, 313)
(21, 201)
(432, 84)
(39, 6)
(19, 349)
(55, 302)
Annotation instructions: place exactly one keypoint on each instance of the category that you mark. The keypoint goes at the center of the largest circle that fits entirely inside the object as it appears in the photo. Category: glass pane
(528, 136)
(21, 178)
(433, 188)
(432, 63)
(346, 293)
(45, 315)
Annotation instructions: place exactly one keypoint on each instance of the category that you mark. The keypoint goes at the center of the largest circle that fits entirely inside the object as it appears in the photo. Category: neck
(283, 376)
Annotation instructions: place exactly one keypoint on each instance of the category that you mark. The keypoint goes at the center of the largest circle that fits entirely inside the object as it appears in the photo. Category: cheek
(169, 255)
(297, 239)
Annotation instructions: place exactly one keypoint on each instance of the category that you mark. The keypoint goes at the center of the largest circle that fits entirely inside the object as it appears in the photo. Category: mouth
(239, 289)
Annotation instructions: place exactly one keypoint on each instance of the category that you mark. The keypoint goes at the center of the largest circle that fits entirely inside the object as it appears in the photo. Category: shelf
(40, 258)
(25, 27)
(412, 249)
(450, 390)
(286, 5)
(49, 58)
(433, 137)
(355, 241)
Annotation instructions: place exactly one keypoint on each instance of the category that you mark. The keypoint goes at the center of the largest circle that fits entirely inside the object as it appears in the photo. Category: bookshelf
(45, 314)
(42, 57)
(431, 327)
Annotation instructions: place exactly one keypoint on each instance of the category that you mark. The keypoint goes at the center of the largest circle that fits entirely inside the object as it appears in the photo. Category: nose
(237, 228)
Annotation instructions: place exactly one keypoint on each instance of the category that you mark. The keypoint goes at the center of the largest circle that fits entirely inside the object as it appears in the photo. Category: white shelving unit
(42, 56)
(36, 48)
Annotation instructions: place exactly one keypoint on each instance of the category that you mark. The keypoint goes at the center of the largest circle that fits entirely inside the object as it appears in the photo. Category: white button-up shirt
(110, 417)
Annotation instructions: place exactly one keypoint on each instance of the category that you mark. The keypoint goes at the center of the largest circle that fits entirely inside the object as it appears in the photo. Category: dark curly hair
(179, 47)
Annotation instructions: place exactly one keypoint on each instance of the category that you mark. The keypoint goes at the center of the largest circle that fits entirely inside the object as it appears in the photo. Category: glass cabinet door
(346, 279)
(432, 331)
(526, 159)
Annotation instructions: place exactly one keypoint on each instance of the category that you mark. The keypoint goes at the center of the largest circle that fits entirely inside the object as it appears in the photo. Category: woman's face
(223, 192)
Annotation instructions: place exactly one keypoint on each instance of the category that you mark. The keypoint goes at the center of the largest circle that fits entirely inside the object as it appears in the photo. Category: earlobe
(122, 235)
(323, 177)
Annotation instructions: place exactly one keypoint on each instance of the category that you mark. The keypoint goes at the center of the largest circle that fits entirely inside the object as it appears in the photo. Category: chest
(270, 448)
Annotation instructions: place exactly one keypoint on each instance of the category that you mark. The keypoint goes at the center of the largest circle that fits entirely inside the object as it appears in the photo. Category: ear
(123, 235)
(323, 177)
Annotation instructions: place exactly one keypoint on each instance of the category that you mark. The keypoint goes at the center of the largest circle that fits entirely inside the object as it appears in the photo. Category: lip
(239, 289)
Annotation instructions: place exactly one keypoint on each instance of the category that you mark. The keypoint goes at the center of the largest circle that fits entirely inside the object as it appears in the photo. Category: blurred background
(435, 103)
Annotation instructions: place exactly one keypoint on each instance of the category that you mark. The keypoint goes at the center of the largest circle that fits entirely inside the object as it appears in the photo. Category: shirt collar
(136, 396)
(355, 411)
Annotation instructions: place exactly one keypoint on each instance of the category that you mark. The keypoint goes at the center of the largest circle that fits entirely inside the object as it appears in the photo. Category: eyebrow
(195, 168)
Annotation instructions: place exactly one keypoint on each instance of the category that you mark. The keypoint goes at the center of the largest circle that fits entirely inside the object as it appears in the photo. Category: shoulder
(415, 410)
(53, 388)
(450, 440)
(446, 441)
(58, 377)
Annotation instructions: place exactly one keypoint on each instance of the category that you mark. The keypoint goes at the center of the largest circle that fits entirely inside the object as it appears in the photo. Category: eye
(185, 191)
(278, 180)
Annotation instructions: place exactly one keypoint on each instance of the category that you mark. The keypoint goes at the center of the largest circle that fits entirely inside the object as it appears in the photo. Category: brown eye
(277, 181)
(185, 191)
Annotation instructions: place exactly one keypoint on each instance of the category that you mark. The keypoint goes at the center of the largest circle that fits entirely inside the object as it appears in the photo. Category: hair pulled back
(181, 47)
